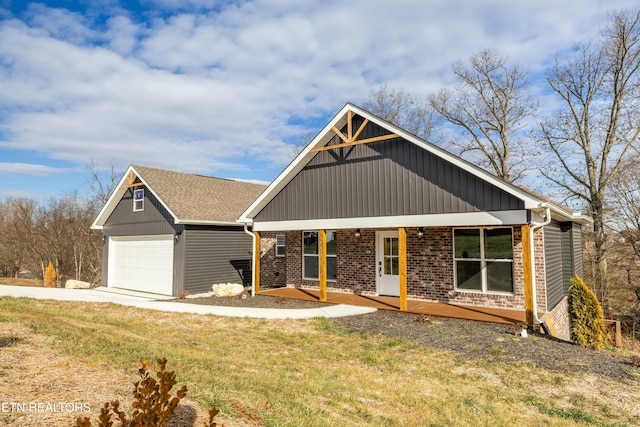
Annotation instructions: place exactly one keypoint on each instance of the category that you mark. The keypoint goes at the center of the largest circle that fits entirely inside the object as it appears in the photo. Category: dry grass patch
(302, 373)
(40, 386)
(21, 282)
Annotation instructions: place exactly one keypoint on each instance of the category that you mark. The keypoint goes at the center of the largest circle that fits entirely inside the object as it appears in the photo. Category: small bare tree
(491, 106)
(598, 123)
(301, 143)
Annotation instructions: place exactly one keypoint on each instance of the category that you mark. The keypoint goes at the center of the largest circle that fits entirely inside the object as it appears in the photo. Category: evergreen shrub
(587, 317)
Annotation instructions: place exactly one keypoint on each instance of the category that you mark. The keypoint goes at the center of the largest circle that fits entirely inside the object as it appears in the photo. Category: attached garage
(171, 233)
(141, 263)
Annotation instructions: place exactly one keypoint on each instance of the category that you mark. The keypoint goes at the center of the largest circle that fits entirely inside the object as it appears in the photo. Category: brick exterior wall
(541, 277)
(356, 259)
(430, 267)
(558, 320)
(273, 269)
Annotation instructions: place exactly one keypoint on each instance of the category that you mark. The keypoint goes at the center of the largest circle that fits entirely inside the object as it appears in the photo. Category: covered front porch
(483, 314)
(403, 269)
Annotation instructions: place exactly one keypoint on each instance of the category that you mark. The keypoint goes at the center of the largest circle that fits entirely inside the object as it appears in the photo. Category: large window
(484, 259)
(311, 255)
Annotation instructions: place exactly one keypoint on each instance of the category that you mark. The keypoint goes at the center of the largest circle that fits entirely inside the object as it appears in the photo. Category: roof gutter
(534, 290)
(204, 222)
(253, 259)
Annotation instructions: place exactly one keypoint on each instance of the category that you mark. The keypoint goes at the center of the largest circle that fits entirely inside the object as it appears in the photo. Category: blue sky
(227, 88)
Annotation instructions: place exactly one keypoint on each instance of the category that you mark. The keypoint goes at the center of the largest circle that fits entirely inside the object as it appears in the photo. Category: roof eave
(117, 194)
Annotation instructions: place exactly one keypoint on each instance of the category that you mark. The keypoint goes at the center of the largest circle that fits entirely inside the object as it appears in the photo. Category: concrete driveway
(105, 295)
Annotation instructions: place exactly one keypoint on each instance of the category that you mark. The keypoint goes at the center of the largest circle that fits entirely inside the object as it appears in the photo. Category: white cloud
(59, 23)
(206, 89)
(122, 35)
(26, 169)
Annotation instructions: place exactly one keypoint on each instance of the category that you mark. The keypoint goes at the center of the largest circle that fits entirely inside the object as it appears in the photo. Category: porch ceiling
(498, 218)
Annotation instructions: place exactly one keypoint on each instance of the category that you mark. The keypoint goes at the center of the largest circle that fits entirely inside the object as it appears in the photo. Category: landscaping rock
(77, 284)
(227, 289)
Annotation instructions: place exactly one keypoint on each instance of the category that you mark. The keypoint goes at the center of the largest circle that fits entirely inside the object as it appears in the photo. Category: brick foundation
(430, 267)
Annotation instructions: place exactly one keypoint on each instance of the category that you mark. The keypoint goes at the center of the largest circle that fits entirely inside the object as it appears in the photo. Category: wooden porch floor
(494, 315)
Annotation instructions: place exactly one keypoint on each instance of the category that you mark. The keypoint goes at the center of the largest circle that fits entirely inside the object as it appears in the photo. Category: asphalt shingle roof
(200, 198)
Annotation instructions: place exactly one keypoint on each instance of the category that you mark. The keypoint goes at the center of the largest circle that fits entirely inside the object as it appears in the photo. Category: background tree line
(584, 147)
(57, 230)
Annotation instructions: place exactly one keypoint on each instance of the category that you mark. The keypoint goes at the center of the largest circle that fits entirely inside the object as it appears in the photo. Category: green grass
(312, 373)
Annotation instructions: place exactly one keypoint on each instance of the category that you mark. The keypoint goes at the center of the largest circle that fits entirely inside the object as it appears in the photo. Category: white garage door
(141, 263)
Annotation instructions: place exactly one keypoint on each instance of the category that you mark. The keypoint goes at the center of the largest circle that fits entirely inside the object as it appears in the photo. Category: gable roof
(189, 198)
(530, 201)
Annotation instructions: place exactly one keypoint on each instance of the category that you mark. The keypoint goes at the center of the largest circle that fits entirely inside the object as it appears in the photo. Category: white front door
(388, 263)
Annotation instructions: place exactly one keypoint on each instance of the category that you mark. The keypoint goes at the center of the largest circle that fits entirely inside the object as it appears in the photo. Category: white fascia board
(117, 194)
(497, 218)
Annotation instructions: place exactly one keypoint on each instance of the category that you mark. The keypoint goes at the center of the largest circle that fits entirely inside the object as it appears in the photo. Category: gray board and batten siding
(216, 254)
(152, 220)
(203, 254)
(385, 178)
(563, 258)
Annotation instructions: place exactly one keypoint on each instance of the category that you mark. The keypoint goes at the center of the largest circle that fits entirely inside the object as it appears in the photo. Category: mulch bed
(469, 340)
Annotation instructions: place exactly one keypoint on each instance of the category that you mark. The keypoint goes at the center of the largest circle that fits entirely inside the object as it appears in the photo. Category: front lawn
(294, 373)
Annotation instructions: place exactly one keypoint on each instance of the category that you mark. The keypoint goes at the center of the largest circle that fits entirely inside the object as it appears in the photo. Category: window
(483, 259)
(391, 256)
(138, 200)
(311, 256)
(280, 245)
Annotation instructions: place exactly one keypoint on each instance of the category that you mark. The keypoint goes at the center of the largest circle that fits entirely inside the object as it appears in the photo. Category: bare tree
(624, 220)
(16, 216)
(88, 250)
(624, 198)
(56, 230)
(491, 106)
(301, 143)
(592, 135)
(401, 109)
(102, 183)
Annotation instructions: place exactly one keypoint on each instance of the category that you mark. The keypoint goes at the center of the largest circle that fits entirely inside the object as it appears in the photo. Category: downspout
(253, 259)
(534, 290)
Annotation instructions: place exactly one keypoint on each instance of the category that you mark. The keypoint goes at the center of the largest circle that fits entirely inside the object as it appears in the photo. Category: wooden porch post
(322, 243)
(527, 272)
(256, 264)
(402, 255)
